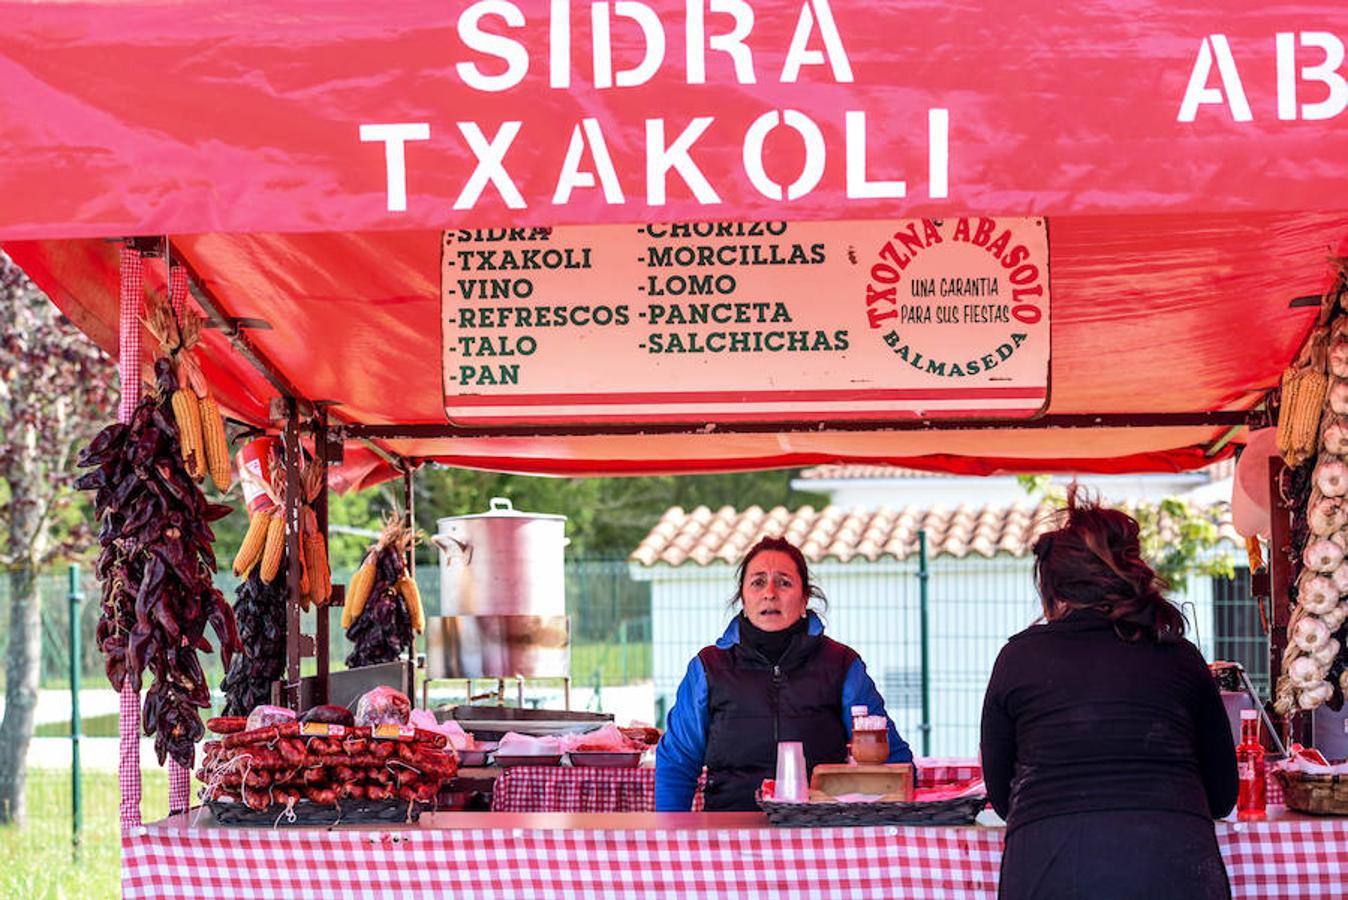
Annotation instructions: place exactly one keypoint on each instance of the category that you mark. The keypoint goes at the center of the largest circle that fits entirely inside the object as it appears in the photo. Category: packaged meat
(453, 731)
(607, 739)
(330, 715)
(383, 706)
(514, 744)
(262, 716)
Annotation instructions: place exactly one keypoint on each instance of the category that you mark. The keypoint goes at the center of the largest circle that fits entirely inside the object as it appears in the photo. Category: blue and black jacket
(734, 705)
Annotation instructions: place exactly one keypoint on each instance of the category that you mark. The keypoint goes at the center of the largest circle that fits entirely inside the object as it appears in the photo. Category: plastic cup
(792, 784)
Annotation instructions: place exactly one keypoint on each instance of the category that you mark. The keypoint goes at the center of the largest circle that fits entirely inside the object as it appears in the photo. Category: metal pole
(923, 576)
(622, 642)
(76, 807)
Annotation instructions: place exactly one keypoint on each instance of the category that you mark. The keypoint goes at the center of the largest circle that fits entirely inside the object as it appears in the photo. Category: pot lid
(501, 508)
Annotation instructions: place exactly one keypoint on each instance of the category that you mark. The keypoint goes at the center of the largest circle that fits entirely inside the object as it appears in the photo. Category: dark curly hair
(1094, 561)
(810, 590)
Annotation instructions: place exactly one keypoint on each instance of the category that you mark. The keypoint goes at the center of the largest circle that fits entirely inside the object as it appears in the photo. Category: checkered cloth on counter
(564, 789)
(1297, 859)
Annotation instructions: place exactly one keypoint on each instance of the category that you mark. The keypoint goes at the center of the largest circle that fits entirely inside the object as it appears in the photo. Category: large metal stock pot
(502, 562)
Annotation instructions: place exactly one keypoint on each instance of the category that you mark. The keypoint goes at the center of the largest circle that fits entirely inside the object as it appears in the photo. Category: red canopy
(1193, 192)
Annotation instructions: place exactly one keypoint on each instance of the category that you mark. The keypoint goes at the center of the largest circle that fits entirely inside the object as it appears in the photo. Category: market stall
(348, 205)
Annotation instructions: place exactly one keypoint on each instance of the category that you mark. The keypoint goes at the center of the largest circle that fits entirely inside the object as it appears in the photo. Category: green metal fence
(39, 860)
(610, 623)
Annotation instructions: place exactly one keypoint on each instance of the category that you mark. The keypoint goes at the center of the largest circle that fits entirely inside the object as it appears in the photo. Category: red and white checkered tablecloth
(1300, 858)
(566, 789)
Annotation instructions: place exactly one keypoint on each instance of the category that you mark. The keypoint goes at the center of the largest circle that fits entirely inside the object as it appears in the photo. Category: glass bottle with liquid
(870, 737)
(1252, 800)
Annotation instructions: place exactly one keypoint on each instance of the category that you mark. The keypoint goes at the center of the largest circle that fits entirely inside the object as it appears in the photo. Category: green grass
(36, 859)
(616, 663)
(90, 726)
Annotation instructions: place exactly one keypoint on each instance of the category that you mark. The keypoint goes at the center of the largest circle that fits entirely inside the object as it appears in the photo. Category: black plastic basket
(832, 814)
(319, 815)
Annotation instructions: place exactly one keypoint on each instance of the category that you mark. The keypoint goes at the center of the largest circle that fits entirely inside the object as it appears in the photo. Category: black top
(772, 644)
(1076, 719)
(754, 702)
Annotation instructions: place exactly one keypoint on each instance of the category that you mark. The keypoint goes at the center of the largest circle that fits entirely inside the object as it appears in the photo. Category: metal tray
(600, 759)
(508, 761)
(491, 722)
(477, 756)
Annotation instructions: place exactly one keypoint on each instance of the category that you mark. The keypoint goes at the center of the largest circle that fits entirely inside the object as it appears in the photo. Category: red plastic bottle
(1252, 800)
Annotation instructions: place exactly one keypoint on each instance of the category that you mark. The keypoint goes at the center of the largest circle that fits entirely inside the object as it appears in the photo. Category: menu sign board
(743, 321)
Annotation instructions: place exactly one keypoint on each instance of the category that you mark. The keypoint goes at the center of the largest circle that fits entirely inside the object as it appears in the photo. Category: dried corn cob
(316, 554)
(407, 587)
(1303, 403)
(316, 558)
(313, 480)
(1254, 553)
(358, 592)
(306, 584)
(1305, 386)
(189, 330)
(187, 414)
(159, 321)
(274, 548)
(215, 444)
(191, 376)
(1285, 395)
(250, 551)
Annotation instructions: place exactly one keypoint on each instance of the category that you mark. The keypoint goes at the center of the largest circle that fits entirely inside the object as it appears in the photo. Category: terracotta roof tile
(704, 536)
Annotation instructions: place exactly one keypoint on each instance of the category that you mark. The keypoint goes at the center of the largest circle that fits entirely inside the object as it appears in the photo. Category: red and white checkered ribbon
(130, 296)
(178, 290)
(179, 787)
(128, 762)
(1302, 858)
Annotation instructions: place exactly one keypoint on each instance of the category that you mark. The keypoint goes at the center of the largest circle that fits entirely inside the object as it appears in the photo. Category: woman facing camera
(1105, 744)
(772, 676)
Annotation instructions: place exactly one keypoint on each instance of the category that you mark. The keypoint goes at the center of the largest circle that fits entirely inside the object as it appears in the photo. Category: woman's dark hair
(811, 590)
(1094, 561)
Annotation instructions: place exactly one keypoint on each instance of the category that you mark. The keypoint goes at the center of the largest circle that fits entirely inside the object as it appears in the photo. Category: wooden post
(323, 623)
(292, 457)
(1280, 564)
(411, 564)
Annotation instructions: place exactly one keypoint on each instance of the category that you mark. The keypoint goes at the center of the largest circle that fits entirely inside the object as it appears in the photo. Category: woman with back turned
(1105, 744)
